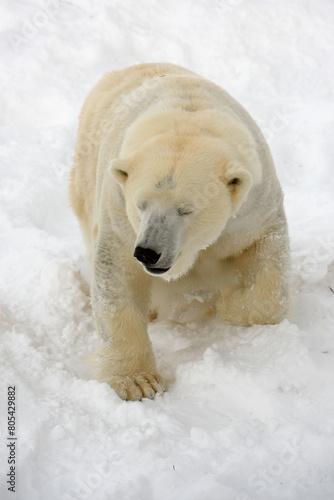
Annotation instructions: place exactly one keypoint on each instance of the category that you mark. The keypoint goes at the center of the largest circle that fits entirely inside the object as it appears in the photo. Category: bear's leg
(120, 296)
(261, 296)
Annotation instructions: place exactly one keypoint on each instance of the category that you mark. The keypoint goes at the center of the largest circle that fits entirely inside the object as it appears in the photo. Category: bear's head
(179, 194)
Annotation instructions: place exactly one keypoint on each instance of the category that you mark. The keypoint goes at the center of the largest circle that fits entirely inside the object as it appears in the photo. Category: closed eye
(141, 205)
(184, 211)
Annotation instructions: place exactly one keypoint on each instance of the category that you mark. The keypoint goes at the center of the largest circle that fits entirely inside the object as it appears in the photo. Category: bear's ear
(239, 181)
(119, 170)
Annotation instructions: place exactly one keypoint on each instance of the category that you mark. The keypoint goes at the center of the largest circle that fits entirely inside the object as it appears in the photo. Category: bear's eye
(141, 205)
(184, 211)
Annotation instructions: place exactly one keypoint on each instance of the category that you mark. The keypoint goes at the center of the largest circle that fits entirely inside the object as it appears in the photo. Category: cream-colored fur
(168, 164)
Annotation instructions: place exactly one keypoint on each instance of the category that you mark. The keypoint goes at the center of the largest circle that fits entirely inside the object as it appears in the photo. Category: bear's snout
(146, 256)
(149, 257)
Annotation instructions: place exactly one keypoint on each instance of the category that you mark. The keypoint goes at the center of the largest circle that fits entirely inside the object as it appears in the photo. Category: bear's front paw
(138, 386)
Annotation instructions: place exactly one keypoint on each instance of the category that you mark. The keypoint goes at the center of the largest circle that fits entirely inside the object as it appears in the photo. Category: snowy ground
(250, 414)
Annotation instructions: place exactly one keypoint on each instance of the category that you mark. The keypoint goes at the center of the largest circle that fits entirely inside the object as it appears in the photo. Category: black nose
(146, 255)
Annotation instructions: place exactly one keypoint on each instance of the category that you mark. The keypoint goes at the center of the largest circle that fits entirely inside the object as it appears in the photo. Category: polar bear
(176, 193)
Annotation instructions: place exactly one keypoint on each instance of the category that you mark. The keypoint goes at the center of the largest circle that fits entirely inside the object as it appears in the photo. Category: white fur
(168, 161)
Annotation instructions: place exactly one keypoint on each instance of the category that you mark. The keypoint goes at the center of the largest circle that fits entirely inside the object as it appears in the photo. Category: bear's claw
(137, 387)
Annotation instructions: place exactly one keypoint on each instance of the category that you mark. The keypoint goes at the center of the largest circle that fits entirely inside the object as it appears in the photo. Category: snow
(249, 413)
